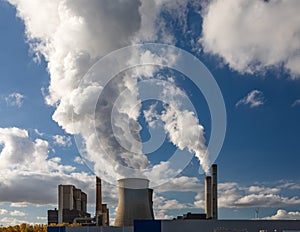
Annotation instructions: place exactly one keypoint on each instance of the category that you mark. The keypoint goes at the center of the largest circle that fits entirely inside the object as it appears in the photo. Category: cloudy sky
(72, 105)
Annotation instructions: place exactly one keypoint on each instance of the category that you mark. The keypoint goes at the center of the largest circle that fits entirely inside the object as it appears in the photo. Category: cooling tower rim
(134, 183)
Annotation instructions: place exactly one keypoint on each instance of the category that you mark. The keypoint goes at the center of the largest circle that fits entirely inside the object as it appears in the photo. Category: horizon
(192, 83)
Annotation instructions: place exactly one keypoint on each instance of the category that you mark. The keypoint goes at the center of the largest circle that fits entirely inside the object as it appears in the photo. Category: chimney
(135, 201)
(208, 197)
(98, 197)
(214, 191)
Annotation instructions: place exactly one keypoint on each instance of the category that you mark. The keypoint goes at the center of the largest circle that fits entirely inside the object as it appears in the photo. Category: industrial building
(72, 207)
(52, 216)
(71, 204)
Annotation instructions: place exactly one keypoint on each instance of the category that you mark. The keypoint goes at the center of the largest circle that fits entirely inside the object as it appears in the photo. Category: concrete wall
(229, 225)
(98, 229)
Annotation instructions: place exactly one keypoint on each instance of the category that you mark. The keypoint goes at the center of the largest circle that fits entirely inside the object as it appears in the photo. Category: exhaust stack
(214, 199)
(102, 212)
(135, 201)
(208, 197)
(98, 196)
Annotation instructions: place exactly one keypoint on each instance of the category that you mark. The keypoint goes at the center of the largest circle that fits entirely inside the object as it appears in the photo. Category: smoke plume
(71, 35)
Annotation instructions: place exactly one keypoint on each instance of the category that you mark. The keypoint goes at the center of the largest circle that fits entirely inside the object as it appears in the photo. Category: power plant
(71, 204)
(134, 201)
(135, 211)
(72, 207)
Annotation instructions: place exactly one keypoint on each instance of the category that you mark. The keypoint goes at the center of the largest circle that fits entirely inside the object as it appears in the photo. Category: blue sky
(256, 70)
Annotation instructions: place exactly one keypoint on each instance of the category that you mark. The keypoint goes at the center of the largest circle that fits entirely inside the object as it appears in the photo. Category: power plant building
(72, 204)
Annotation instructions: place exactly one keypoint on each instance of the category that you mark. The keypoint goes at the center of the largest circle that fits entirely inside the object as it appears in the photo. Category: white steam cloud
(177, 118)
(72, 35)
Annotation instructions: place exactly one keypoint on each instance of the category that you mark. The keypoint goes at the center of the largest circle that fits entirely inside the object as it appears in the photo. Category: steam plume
(72, 35)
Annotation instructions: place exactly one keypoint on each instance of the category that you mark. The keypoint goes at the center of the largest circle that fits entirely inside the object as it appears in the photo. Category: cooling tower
(135, 201)
(208, 197)
(214, 180)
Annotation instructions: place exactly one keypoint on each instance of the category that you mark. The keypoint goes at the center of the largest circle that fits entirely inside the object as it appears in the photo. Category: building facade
(72, 203)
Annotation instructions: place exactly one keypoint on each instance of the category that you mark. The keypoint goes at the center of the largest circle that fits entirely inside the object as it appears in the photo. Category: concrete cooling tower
(135, 201)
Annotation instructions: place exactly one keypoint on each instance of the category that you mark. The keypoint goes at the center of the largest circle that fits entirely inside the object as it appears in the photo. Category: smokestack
(102, 212)
(98, 197)
(208, 197)
(214, 191)
(135, 201)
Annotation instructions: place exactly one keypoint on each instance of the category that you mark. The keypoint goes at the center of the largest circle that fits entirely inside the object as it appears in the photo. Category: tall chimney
(98, 197)
(208, 197)
(135, 201)
(214, 181)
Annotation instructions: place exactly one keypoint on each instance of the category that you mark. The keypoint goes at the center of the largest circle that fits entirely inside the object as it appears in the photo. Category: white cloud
(254, 99)
(15, 99)
(78, 160)
(282, 214)
(162, 205)
(17, 213)
(180, 184)
(199, 201)
(11, 221)
(248, 35)
(25, 165)
(3, 211)
(267, 200)
(62, 140)
(39, 172)
(38, 132)
(296, 103)
(264, 190)
(41, 218)
(167, 204)
(19, 204)
(231, 195)
(288, 185)
(19, 150)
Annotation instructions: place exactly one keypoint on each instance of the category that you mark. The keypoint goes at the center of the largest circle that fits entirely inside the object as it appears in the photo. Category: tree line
(24, 228)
